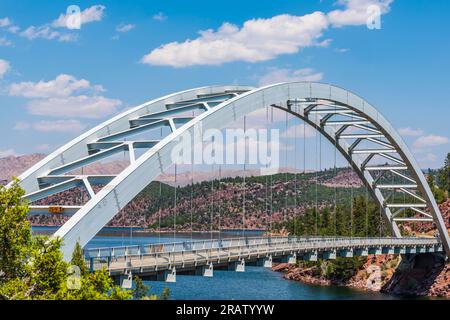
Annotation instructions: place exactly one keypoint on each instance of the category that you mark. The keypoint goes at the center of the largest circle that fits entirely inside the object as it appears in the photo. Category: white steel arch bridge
(356, 129)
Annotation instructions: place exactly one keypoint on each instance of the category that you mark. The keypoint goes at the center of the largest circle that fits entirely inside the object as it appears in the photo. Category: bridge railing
(242, 247)
(192, 245)
(250, 243)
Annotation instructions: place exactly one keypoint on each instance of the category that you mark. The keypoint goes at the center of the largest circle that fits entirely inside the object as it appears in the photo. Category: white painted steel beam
(231, 107)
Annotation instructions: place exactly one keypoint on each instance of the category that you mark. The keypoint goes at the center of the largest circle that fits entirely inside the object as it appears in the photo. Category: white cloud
(7, 153)
(409, 132)
(257, 40)
(342, 50)
(261, 39)
(430, 141)
(355, 12)
(91, 14)
(5, 22)
(5, 42)
(13, 29)
(299, 131)
(74, 106)
(48, 32)
(21, 126)
(4, 67)
(42, 147)
(63, 85)
(56, 98)
(45, 32)
(62, 126)
(125, 27)
(160, 16)
(276, 75)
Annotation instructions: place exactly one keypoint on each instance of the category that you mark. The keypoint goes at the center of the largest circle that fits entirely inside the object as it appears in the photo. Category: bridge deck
(185, 256)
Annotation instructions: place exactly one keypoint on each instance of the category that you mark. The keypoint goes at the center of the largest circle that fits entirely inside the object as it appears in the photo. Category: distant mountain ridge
(13, 166)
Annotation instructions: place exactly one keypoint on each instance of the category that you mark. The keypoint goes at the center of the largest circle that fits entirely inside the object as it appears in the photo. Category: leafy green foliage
(78, 259)
(15, 232)
(140, 290)
(439, 181)
(361, 219)
(32, 268)
(165, 294)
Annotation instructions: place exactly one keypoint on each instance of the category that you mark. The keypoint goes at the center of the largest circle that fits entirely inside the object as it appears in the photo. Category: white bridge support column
(388, 250)
(400, 250)
(167, 275)
(329, 255)
(265, 262)
(205, 271)
(310, 256)
(126, 281)
(238, 266)
(361, 252)
(346, 253)
(291, 258)
(375, 250)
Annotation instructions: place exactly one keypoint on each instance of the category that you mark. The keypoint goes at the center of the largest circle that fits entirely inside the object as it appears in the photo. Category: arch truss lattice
(357, 130)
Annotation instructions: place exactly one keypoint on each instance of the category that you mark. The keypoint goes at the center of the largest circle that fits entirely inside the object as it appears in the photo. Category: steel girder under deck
(358, 131)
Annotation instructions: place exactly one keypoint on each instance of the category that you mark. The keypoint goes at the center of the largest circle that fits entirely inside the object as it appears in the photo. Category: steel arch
(317, 104)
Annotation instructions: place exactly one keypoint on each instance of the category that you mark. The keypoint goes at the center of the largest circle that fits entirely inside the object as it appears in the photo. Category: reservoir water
(255, 283)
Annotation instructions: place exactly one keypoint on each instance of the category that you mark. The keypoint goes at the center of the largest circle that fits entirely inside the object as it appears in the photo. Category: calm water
(254, 283)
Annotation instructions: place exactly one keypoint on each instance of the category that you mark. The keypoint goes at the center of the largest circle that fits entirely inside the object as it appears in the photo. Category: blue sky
(56, 83)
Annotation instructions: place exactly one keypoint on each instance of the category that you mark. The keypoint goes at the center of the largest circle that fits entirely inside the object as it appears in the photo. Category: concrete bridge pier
(346, 253)
(329, 255)
(238, 266)
(388, 250)
(167, 275)
(291, 259)
(126, 281)
(361, 252)
(310, 256)
(265, 262)
(400, 250)
(375, 250)
(411, 250)
(205, 271)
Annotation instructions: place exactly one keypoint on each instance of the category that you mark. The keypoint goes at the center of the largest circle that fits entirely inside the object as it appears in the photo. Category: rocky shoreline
(422, 276)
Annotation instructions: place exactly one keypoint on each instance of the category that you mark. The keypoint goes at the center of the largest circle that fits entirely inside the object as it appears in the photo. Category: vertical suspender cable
(245, 160)
(316, 213)
(175, 206)
(160, 211)
(367, 211)
(335, 186)
(267, 178)
(192, 198)
(220, 201)
(304, 153)
(212, 203)
(286, 175)
(295, 181)
(351, 193)
(271, 179)
(192, 188)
